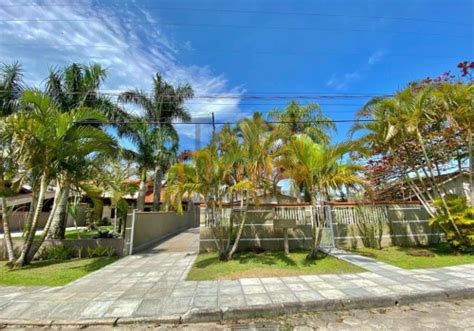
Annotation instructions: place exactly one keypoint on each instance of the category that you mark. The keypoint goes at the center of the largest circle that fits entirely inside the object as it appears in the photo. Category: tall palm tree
(50, 144)
(162, 107)
(319, 168)
(150, 147)
(303, 119)
(70, 87)
(11, 87)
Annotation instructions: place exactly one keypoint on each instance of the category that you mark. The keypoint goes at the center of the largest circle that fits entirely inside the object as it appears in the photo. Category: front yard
(434, 256)
(267, 264)
(52, 273)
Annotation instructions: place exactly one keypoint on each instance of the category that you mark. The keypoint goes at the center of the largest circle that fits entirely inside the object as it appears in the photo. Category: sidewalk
(152, 287)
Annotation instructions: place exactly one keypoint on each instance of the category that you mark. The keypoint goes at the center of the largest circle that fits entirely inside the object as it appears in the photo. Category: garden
(67, 137)
(411, 142)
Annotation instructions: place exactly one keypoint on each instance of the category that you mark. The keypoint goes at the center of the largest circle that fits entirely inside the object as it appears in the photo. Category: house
(108, 211)
(451, 183)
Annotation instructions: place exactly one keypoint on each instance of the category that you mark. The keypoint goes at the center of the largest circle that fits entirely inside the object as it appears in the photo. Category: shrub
(463, 218)
(100, 251)
(57, 252)
(370, 222)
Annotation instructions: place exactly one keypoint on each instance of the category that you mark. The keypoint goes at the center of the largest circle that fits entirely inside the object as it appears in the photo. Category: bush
(370, 222)
(463, 217)
(58, 252)
(100, 251)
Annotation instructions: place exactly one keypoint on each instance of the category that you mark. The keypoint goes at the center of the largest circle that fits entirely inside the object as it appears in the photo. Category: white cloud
(342, 81)
(376, 57)
(131, 51)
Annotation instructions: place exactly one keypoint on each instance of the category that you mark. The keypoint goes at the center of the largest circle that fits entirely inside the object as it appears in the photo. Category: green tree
(71, 87)
(50, 144)
(11, 88)
(319, 168)
(303, 119)
(162, 107)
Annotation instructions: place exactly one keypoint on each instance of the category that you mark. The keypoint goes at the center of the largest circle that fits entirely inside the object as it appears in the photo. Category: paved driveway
(152, 285)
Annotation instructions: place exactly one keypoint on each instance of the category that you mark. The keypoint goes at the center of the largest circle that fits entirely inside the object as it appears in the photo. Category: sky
(248, 55)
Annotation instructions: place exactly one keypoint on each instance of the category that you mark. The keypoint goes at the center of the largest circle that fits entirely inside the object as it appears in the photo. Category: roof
(402, 191)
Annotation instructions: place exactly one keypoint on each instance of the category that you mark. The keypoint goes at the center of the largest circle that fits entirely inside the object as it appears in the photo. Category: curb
(196, 315)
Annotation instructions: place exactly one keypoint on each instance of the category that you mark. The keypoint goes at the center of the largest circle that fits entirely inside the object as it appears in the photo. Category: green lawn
(402, 257)
(52, 273)
(267, 264)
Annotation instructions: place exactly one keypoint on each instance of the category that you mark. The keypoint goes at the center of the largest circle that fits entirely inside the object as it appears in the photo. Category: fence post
(132, 232)
(331, 226)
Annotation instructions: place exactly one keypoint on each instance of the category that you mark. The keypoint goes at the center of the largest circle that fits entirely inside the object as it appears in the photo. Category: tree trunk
(436, 186)
(59, 221)
(57, 201)
(241, 229)
(317, 231)
(142, 191)
(157, 188)
(30, 235)
(7, 238)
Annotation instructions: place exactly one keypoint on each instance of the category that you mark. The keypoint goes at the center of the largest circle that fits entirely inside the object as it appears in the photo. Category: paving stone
(69, 310)
(14, 310)
(253, 289)
(149, 308)
(231, 300)
(123, 308)
(276, 288)
(177, 305)
(283, 297)
(257, 299)
(96, 309)
(298, 287)
(154, 285)
(205, 302)
(332, 294)
(308, 295)
(39, 310)
(230, 290)
(250, 281)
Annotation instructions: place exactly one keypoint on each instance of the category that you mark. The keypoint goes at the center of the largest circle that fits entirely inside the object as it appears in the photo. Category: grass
(441, 256)
(52, 273)
(267, 264)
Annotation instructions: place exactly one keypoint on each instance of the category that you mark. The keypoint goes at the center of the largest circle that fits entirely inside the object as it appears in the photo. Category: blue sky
(243, 48)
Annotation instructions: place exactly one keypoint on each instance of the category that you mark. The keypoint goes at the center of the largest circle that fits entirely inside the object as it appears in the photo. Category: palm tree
(70, 87)
(150, 144)
(50, 145)
(11, 87)
(409, 116)
(303, 119)
(164, 105)
(207, 175)
(455, 104)
(318, 168)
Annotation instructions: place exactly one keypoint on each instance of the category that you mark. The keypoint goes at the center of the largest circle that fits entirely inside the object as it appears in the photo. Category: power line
(253, 27)
(234, 51)
(247, 96)
(238, 11)
(226, 122)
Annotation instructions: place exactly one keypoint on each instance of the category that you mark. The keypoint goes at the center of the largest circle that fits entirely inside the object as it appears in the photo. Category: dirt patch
(420, 252)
